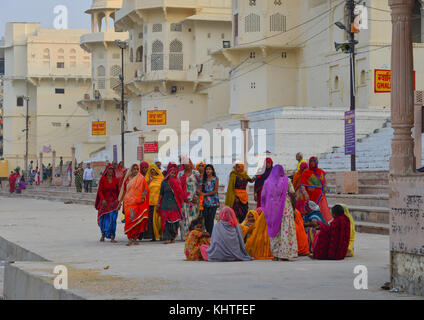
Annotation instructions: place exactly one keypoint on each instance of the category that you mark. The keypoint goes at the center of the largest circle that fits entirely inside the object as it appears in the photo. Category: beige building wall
(51, 69)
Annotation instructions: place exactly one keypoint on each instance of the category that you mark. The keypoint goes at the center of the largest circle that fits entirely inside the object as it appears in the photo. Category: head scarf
(260, 179)
(273, 199)
(310, 161)
(155, 184)
(303, 166)
(199, 164)
(144, 164)
(171, 164)
(255, 217)
(104, 176)
(159, 173)
(228, 214)
(109, 166)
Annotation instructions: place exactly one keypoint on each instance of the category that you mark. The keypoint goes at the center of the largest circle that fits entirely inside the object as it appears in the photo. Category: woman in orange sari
(313, 182)
(258, 244)
(134, 194)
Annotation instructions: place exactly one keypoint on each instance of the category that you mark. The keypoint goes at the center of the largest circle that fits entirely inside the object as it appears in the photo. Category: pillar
(402, 105)
(107, 15)
(73, 166)
(93, 23)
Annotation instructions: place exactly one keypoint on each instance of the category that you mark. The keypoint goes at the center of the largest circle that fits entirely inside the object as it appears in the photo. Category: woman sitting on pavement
(195, 239)
(332, 242)
(258, 244)
(313, 215)
(248, 225)
(227, 240)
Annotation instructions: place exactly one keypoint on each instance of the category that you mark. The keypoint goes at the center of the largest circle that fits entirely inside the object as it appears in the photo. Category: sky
(42, 11)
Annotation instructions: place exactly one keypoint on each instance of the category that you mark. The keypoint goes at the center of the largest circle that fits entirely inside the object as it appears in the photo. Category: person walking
(260, 180)
(61, 166)
(279, 215)
(154, 178)
(88, 178)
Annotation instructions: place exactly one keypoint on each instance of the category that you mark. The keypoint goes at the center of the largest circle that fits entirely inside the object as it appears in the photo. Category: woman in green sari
(79, 173)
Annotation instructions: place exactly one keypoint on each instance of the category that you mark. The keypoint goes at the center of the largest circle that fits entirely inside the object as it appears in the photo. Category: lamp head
(340, 25)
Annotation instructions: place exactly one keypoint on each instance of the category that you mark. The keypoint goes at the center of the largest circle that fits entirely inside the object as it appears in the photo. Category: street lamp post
(26, 98)
(122, 45)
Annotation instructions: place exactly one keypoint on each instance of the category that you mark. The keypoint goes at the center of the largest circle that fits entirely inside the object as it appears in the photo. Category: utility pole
(26, 132)
(351, 6)
(122, 45)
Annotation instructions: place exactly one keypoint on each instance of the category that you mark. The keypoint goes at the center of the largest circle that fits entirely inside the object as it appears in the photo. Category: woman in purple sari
(279, 214)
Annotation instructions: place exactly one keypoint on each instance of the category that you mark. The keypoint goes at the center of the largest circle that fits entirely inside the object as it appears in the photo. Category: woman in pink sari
(12, 181)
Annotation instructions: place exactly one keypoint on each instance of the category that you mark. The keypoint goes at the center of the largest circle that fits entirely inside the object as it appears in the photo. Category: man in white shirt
(88, 178)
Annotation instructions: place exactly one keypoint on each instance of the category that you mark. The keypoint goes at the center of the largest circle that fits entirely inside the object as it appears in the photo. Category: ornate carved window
(252, 23)
(157, 56)
(176, 59)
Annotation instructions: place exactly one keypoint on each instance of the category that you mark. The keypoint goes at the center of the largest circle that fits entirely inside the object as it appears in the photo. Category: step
(371, 200)
(363, 189)
(374, 228)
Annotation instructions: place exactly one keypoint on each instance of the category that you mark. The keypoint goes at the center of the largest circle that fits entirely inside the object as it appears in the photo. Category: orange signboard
(98, 128)
(382, 80)
(156, 117)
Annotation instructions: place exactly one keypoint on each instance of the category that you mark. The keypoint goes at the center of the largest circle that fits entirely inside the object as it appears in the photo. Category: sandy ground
(68, 234)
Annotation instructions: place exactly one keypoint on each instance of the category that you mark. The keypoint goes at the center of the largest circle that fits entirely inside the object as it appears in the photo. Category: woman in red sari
(12, 181)
(332, 241)
(313, 182)
(107, 203)
(134, 194)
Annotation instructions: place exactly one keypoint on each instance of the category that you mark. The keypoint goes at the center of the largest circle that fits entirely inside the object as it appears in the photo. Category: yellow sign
(156, 117)
(383, 80)
(98, 128)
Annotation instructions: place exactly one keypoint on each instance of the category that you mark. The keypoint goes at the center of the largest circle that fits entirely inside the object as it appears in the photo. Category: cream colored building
(169, 67)
(50, 68)
(100, 100)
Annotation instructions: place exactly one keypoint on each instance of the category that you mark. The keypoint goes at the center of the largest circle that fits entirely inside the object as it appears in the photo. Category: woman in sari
(169, 206)
(107, 204)
(302, 238)
(227, 240)
(79, 174)
(310, 219)
(248, 225)
(154, 178)
(200, 167)
(279, 215)
(313, 182)
(20, 185)
(332, 241)
(236, 197)
(260, 180)
(301, 194)
(190, 182)
(12, 181)
(134, 194)
(352, 231)
(258, 244)
(194, 240)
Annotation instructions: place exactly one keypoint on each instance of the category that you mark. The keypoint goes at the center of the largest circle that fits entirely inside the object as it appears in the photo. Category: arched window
(157, 56)
(46, 54)
(139, 54)
(336, 83)
(73, 52)
(252, 23)
(277, 23)
(101, 71)
(417, 34)
(362, 77)
(176, 61)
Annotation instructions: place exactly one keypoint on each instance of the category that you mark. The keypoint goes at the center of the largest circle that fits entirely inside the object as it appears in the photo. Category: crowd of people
(292, 217)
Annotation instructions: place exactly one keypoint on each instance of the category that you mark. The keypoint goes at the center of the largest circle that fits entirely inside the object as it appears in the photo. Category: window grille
(277, 22)
(252, 23)
(176, 60)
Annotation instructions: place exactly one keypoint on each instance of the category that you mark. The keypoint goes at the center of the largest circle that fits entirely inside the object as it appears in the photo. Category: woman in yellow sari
(352, 231)
(248, 225)
(258, 244)
(237, 197)
(134, 193)
(154, 178)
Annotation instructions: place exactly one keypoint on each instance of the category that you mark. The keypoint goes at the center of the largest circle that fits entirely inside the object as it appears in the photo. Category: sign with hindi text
(383, 81)
(98, 128)
(156, 117)
(151, 147)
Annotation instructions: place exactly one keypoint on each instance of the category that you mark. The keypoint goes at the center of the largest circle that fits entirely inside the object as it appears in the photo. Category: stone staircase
(369, 208)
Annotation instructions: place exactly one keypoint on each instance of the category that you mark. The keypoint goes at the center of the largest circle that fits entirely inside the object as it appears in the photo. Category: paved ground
(68, 234)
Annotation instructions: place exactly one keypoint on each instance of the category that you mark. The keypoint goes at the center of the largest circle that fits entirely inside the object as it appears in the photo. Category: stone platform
(58, 234)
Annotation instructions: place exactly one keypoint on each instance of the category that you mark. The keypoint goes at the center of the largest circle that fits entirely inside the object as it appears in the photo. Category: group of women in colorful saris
(156, 205)
(286, 224)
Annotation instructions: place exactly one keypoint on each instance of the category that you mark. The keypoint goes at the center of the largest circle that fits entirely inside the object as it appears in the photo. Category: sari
(352, 231)
(227, 240)
(79, 174)
(316, 215)
(302, 238)
(332, 241)
(201, 176)
(194, 240)
(313, 180)
(279, 214)
(258, 244)
(107, 214)
(154, 187)
(120, 172)
(136, 212)
(12, 182)
(260, 180)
